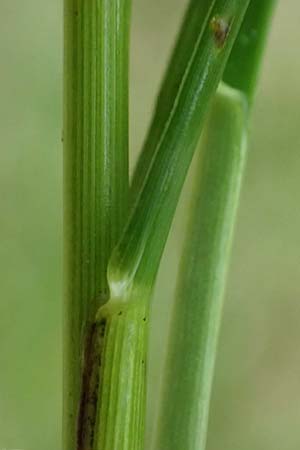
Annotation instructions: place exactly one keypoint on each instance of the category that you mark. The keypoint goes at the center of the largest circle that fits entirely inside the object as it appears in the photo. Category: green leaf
(193, 25)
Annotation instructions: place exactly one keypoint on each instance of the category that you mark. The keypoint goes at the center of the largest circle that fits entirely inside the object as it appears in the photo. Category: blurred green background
(256, 396)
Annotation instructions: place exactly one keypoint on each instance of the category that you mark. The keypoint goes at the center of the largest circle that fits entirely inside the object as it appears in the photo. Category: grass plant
(115, 233)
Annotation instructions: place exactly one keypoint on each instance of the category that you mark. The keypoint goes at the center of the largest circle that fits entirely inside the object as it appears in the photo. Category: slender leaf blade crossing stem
(193, 25)
(95, 184)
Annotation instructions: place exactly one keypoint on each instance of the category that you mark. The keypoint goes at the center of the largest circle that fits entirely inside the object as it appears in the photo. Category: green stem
(113, 417)
(120, 421)
(183, 416)
(244, 64)
(95, 175)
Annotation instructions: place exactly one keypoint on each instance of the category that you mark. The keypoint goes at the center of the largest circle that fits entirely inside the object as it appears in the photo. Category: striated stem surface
(120, 419)
(95, 175)
(112, 408)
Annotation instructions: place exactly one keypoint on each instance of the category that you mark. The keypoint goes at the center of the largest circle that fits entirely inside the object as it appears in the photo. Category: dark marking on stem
(220, 28)
(90, 385)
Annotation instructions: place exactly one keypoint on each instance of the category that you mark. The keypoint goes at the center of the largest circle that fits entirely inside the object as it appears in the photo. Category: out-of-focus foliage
(256, 400)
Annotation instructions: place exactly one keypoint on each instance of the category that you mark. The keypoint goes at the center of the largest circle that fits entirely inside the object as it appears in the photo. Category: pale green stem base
(112, 408)
(120, 422)
(183, 418)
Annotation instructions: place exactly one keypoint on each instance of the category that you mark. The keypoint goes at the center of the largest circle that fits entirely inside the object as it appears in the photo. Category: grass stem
(95, 176)
(183, 416)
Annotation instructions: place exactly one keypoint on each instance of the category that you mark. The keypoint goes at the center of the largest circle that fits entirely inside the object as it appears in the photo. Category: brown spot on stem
(90, 385)
(220, 28)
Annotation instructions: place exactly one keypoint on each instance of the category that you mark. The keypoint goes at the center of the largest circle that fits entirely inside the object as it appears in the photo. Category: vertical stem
(244, 64)
(183, 416)
(121, 391)
(114, 380)
(95, 174)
